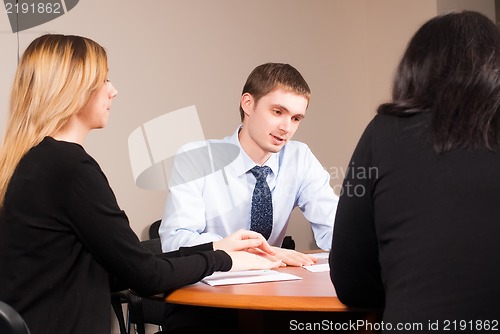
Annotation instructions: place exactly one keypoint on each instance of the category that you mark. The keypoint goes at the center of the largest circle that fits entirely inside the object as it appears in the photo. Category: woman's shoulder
(58, 156)
(390, 124)
(62, 150)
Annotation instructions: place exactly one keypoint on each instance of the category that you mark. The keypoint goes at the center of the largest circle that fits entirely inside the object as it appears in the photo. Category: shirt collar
(245, 163)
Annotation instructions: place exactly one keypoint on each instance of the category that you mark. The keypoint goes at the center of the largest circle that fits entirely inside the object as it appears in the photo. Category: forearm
(186, 238)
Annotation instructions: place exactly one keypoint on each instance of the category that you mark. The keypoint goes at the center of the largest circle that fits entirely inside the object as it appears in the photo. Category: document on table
(317, 268)
(321, 255)
(247, 276)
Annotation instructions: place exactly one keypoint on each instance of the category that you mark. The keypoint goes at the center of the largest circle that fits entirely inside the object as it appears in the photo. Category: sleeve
(184, 220)
(317, 200)
(181, 226)
(105, 232)
(354, 266)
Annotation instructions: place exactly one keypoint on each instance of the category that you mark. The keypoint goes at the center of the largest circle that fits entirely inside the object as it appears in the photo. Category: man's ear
(247, 103)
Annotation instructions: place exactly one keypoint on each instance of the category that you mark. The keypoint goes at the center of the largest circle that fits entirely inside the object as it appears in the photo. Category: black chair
(11, 321)
(140, 311)
(288, 242)
(119, 298)
(153, 230)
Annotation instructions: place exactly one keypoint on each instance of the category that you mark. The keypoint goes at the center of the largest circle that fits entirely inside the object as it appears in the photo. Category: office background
(169, 54)
(166, 55)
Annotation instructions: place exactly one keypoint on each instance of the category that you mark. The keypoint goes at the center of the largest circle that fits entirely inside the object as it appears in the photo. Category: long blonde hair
(55, 78)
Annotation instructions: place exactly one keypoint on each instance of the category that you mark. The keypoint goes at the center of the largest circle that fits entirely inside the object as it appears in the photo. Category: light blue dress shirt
(210, 197)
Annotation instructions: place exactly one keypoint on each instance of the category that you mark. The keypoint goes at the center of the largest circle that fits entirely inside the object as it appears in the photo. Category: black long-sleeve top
(65, 243)
(417, 233)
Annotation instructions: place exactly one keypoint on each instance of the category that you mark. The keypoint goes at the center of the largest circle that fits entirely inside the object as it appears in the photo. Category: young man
(207, 208)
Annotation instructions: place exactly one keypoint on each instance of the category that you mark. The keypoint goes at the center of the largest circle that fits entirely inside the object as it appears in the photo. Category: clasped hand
(250, 250)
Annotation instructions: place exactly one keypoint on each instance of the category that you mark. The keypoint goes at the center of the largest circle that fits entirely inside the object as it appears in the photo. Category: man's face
(272, 121)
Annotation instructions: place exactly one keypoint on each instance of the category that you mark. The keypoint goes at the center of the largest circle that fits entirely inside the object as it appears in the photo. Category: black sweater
(418, 233)
(64, 239)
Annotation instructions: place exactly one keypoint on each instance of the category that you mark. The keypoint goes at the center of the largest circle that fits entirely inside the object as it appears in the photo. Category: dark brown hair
(451, 69)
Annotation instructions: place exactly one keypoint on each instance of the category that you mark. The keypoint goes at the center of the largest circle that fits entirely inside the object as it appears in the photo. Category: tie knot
(260, 173)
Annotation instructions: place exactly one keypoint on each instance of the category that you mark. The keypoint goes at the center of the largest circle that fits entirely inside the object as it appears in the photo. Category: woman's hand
(243, 260)
(244, 240)
(290, 257)
(255, 243)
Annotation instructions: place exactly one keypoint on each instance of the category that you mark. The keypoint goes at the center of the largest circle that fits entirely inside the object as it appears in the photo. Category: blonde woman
(63, 237)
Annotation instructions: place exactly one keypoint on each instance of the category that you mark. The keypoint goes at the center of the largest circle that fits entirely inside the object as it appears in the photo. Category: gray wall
(166, 55)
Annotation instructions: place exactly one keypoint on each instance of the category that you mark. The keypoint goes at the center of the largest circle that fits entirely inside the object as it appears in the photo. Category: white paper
(322, 255)
(247, 276)
(317, 268)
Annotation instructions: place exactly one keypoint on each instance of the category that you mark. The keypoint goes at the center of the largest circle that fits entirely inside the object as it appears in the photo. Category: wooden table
(262, 305)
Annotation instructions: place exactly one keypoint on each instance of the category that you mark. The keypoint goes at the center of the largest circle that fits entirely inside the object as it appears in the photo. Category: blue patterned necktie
(262, 204)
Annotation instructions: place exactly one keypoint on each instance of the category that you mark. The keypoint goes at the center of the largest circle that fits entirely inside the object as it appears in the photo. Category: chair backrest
(153, 229)
(11, 321)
